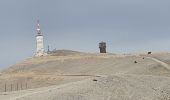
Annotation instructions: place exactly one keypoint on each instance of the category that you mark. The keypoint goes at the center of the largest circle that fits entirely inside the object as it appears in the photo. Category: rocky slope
(84, 76)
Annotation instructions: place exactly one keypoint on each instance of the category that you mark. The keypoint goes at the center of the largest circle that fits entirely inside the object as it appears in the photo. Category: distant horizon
(119, 53)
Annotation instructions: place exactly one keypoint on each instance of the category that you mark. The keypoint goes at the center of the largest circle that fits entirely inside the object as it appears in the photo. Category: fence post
(11, 87)
(5, 88)
(26, 85)
(17, 86)
(21, 85)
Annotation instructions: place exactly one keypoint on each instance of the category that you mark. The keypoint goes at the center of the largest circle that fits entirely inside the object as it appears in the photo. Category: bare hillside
(70, 75)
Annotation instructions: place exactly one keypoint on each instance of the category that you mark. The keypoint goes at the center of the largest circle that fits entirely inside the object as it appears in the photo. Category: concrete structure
(39, 42)
(102, 46)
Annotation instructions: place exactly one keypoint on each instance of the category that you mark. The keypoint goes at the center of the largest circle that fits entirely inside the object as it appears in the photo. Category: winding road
(161, 62)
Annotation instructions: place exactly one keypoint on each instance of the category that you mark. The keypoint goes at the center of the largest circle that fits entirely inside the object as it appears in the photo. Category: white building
(39, 42)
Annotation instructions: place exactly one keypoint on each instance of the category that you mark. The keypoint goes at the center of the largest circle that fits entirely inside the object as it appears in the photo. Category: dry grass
(85, 76)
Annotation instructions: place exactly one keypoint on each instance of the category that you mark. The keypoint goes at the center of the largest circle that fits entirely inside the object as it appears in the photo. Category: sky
(127, 26)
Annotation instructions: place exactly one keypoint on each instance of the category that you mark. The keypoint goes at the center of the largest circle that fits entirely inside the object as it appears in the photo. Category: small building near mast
(39, 42)
(102, 47)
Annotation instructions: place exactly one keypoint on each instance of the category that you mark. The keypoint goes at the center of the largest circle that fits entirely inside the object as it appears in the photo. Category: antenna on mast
(38, 28)
(48, 48)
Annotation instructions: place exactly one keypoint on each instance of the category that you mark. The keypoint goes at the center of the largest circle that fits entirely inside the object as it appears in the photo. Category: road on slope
(161, 62)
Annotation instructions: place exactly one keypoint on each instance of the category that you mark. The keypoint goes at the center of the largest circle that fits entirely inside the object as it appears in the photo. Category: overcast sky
(126, 25)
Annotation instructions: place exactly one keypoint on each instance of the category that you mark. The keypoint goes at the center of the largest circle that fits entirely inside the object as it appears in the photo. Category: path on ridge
(161, 62)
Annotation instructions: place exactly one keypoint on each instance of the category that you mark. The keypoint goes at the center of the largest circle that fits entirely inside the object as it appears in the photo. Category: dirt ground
(85, 76)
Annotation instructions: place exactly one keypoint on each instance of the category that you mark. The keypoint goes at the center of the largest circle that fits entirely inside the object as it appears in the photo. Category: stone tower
(102, 46)
(39, 42)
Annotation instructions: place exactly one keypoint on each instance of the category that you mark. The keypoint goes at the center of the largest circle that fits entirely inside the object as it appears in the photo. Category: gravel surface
(91, 77)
